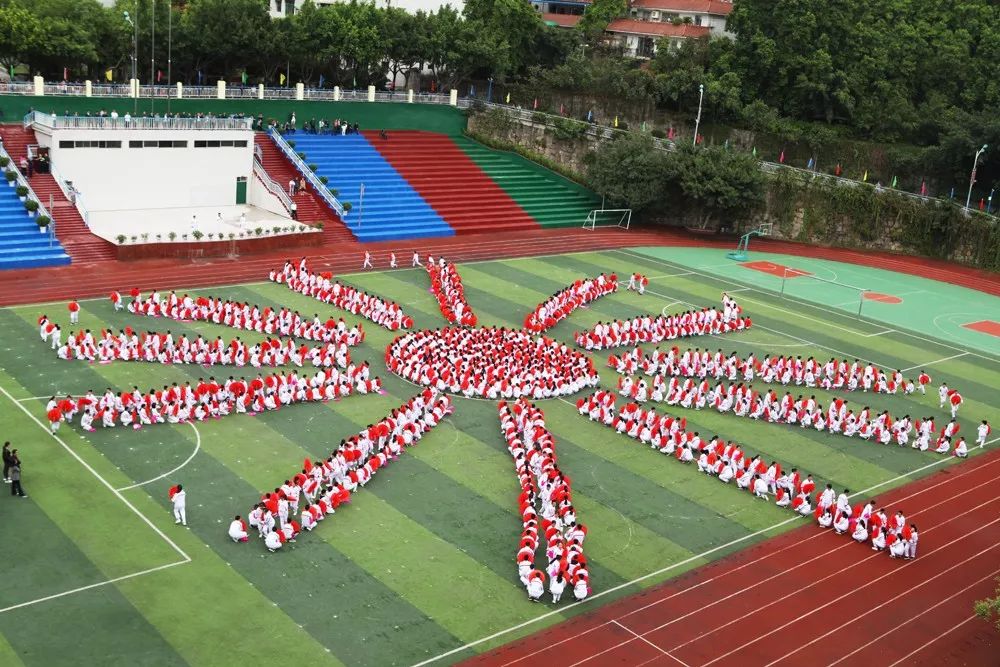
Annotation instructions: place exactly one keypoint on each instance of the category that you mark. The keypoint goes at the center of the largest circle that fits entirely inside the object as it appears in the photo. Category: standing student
(179, 498)
(15, 476)
(8, 459)
(368, 261)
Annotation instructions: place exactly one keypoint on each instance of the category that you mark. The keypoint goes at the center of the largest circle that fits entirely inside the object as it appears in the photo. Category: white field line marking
(846, 544)
(907, 621)
(33, 398)
(932, 640)
(19, 306)
(96, 474)
(866, 585)
(97, 585)
(803, 302)
(738, 289)
(197, 447)
(782, 333)
(672, 275)
(878, 333)
(642, 639)
(173, 545)
(687, 561)
(936, 361)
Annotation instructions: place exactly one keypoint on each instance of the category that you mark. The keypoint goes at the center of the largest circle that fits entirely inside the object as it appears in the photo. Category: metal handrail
(272, 186)
(127, 122)
(318, 186)
(21, 180)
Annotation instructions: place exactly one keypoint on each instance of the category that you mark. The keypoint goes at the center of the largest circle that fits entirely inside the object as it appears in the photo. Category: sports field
(420, 567)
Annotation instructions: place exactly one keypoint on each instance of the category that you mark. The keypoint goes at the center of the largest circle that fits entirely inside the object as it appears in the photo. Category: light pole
(972, 177)
(489, 90)
(697, 120)
(989, 201)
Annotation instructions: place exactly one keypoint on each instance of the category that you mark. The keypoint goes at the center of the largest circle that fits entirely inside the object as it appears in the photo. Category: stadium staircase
(461, 193)
(393, 210)
(551, 199)
(309, 208)
(21, 244)
(71, 230)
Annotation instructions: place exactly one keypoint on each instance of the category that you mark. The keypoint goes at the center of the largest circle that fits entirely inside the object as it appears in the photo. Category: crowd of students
(242, 315)
(560, 305)
(163, 348)
(323, 486)
(650, 329)
(447, 288)
(546, 505)
(209, 398)
(785, 370)
(742, 400)
(322, 287)
(490, 362)
(763, 479)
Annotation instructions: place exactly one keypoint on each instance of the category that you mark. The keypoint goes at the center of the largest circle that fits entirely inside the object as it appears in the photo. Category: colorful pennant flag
(281, 79)
(535, 104)
(811, 163)
(616, 121)
(923, 188)
(508, 98)
(322, 80)
(838, 171)
(894, 181)
(109, 74)
(590, 115)
(781, 158)
(864, 179)
(244, 77)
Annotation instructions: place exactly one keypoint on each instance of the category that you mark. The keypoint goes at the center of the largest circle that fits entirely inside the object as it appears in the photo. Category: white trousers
(180, 515)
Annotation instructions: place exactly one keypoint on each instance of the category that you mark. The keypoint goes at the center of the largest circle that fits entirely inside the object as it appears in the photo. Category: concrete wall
(151, 177)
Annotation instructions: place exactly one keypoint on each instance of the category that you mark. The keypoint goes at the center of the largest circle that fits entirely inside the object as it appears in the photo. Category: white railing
(317, 184)
(272, 186)
(17, 88)
(142, 123)
(19, 179)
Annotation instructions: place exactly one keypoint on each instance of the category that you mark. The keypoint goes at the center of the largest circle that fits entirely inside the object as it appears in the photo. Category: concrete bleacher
(392, 209)
(22, 246)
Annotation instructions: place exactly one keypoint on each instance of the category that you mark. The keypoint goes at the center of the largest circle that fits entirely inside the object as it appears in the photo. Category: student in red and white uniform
(922, 381)
(238, 530)
(982, 432)
(74, 311)
(955, 400)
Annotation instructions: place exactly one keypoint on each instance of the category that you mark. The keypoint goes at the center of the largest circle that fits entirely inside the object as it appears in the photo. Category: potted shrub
(10, 177)
(302, 156)
(4, 161)
(159, 237)
(22, 192)
(31, 206)
(291, 143)
(184, 237)
(319, 226)
(347, 206)
(232, 236)
(121, 239)
(276, 229)
(334, 191)
(210, 236)
(197, 235)
(172, 236)
(145, 237)
(324, 180)
(258, 231)
(134, 238)
(313, 166)
(43, 223)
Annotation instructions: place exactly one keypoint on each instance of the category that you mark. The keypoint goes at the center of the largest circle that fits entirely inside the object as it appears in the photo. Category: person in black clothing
(8, 458)
(15, 476)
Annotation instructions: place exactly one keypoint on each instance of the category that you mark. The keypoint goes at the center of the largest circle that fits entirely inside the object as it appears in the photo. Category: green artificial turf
(421, 562)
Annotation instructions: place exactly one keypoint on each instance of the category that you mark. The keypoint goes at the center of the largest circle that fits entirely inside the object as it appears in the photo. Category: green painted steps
(551, 199)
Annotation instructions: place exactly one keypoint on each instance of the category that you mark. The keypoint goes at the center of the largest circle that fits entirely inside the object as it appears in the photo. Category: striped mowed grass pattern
(421, 562)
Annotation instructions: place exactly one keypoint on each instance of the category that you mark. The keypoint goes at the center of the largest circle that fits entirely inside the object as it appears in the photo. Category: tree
(20, 34)
(599, 14)
(629, 172)
(718, 182)
(223, 34)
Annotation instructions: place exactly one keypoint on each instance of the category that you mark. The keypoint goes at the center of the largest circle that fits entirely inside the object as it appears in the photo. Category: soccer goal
(609, 217)
(743, 249)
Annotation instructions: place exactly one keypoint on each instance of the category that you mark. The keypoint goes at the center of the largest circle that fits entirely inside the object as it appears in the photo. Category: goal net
(609, 217)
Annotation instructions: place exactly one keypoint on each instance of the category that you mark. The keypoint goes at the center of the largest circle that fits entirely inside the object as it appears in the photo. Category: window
(135, 144)
(225, 143)
(65, 144)
(90, 144)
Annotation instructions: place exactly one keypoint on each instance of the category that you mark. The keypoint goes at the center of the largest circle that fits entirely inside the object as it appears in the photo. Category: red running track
(810, 597)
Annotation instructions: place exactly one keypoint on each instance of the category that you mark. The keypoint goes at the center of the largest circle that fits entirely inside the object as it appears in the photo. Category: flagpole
(152, 59)
(697, 121)
(170, 34)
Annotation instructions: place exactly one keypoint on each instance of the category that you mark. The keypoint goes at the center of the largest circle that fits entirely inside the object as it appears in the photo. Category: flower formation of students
(446, 285)
(785, 370)
(728, 462)
(209, 398)
(162, 348)
(560, 305)
(326, 485)
(236, 315)
(323, 287)
(490, 362)
(743, 400)
(545, 490)
(650, 329)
